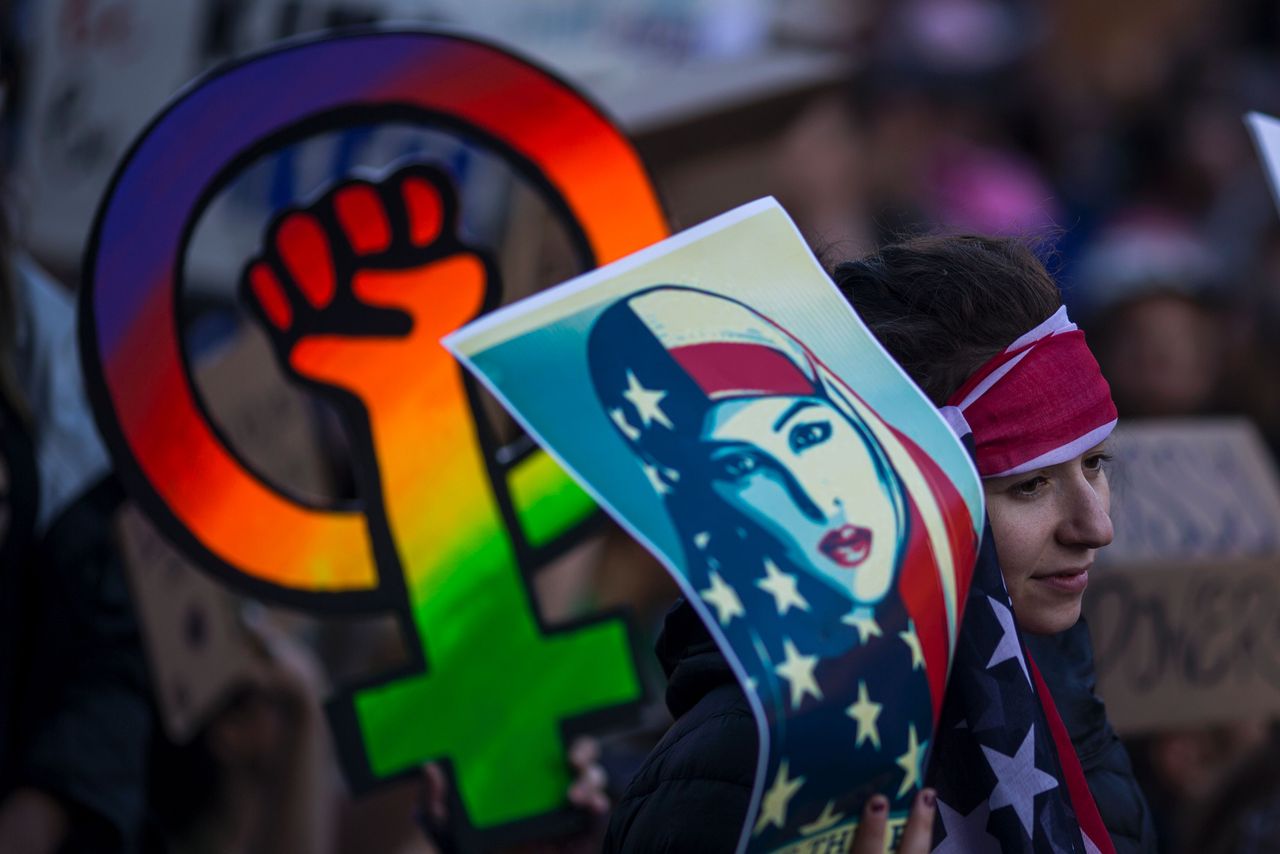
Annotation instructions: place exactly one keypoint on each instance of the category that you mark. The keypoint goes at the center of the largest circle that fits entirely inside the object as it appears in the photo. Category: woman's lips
(1068, 581)
(847, 545)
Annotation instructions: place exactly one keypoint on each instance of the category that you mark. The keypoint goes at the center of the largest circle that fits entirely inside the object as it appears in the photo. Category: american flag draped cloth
(1007, 777)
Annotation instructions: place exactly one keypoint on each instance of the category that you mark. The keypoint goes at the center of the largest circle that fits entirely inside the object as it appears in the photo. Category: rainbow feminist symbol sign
(355, 290)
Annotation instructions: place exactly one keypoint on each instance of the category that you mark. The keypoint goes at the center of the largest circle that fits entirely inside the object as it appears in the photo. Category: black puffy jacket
(1066, 663)
(692, 792)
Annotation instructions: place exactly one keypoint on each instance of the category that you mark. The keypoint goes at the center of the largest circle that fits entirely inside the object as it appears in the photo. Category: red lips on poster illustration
(848, 545)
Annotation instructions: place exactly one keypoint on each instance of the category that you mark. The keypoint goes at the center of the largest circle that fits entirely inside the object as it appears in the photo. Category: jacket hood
(693, 663)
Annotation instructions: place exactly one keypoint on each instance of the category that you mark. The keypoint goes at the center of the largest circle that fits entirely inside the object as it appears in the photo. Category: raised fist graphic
(355, 292)
(358, 288)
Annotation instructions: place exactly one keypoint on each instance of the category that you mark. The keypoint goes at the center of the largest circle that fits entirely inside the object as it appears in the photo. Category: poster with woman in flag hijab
(718, 396)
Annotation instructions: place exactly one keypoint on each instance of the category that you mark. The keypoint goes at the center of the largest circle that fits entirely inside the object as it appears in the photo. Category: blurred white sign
(98, 70)
(101, 69)
(1185, 489)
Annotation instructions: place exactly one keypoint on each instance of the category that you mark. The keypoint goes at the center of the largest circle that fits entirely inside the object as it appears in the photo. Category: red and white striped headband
(1040, 402)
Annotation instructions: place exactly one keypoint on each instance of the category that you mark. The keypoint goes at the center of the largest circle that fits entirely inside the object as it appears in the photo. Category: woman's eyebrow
(790, 413)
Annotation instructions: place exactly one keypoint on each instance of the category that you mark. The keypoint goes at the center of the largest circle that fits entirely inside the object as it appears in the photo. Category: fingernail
(879, 804)
(928, 798)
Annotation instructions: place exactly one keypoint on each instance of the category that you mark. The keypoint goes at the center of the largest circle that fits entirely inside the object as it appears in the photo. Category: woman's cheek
(765, 500)
(872, 582)
(1014, 527)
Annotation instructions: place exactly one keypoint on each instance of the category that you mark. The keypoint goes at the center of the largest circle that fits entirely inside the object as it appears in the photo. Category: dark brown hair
(943, 305)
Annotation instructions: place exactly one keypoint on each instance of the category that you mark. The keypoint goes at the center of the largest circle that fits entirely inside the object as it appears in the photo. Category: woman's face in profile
(1048, 525)
(798, 468)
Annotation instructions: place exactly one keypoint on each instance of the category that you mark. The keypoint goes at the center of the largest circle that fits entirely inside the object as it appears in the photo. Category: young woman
(975, 322)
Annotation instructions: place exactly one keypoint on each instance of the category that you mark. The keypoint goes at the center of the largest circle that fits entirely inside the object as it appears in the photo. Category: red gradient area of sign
(587, 161)
(266, 287)
(920, 585)
(304, 250)
(210, 491)
(422, 207)
(362, 218)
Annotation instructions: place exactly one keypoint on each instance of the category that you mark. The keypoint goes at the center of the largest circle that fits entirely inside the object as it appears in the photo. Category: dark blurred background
(1108, 133)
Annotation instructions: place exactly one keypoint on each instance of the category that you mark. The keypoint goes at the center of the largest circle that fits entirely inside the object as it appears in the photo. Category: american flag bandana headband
(1040, 402)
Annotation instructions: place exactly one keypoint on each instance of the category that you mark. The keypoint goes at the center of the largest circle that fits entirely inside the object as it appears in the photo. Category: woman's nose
(816, 503)
(1086, 517)
(828, 499)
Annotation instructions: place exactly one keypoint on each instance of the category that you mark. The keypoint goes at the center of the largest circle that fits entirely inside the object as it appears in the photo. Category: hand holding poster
(717, 395)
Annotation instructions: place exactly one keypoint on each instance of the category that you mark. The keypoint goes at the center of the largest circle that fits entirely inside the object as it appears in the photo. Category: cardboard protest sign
(717, 395)
(1182, 606)
(1187, 644)
(197, 652)
(354, 287)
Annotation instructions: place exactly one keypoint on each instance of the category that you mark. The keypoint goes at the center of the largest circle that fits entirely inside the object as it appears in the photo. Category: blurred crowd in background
(1115, 135)
(1110, 134)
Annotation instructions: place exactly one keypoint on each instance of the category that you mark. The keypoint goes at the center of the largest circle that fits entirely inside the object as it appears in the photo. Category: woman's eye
(808, 434)
(737, 466)
(1029, 487)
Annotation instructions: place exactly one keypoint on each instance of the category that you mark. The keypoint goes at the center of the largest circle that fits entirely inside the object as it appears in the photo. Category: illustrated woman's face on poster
(799, 468)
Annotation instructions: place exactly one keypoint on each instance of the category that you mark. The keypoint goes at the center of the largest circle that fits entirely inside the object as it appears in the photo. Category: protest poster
(1182, 604)
(352, 286)
(717, 395)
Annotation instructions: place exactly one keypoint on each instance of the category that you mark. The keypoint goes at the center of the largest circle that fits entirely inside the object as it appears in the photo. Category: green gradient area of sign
(547, 501)
(486, 656)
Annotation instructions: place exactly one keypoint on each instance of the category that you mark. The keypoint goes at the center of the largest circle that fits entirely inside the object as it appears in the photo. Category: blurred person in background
(75, 718)
(1194, 778)
(1149, 282)
(1155, 289)
(1254, 379)
(260, 777)
(1242, 813)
